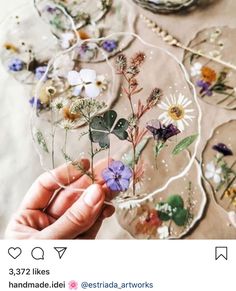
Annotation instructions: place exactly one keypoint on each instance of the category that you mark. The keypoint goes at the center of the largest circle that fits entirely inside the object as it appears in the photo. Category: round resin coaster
(136, 127)
(119, 18)
(169, 214)
(81, 11)
(219, 165)
(166, 6)
(215, 82)
(27, 44)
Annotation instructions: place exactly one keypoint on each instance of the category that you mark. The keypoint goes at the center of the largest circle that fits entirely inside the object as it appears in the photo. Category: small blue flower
(40, 71)
(16, 65)
(117, 176)
(38, 103)
(109, 45)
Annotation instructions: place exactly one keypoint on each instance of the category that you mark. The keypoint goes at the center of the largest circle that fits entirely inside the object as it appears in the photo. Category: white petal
(209, 175)
(218, 171)
(180, 99)
(92, 91)
(186, 103)
(198, 66)
(216, 179)
(211, 167)
(77, 90)
(74, 78)
(88, 76)
(180, 125)
(163, 106)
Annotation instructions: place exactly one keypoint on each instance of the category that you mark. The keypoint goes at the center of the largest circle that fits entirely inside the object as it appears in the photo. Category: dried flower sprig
(130, 71)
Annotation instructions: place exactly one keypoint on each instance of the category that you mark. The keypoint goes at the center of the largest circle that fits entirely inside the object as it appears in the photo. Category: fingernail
(93, 195)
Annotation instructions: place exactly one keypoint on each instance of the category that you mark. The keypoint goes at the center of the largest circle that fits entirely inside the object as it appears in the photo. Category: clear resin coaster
(169, 214)
(219, 166)
(214, 81)
(136, 120)
(119, 18)
(165, 6)
(82, 11)
(27, 44)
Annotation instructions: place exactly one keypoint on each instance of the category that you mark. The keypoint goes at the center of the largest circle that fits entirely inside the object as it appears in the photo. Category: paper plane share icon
(61, 251)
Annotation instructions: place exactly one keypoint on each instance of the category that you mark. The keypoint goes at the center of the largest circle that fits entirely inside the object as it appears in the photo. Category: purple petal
(124, 184)
(126, 173)
(223, 149)
(113, 185)
(107, 174)
(117, 167)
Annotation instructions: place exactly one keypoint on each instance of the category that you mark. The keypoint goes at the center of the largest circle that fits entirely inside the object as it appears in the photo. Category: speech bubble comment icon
(37, 253)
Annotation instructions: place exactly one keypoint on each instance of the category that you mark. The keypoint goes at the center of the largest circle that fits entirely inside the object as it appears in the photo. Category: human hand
(68, 214)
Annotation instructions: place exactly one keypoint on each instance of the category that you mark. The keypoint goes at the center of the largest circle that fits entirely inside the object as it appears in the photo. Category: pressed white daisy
(213, 173)
(102, 83)
(67, 124)
(59, 103)
(176, 111)
(196, 69)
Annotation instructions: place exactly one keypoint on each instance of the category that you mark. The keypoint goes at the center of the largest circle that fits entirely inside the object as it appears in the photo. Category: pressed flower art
(219, 165)
(215, 82)
(76, 114)
(170, 213)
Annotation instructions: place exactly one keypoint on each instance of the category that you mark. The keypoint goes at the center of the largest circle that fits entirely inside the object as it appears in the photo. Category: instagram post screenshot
(118, 145)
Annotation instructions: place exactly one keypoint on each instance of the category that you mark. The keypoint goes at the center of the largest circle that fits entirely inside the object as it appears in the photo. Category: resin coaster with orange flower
(215, 82)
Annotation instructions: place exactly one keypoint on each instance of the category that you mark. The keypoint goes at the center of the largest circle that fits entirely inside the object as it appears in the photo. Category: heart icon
(14, 252)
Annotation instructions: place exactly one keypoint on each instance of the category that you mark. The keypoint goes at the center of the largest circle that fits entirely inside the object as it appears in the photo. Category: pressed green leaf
(184, 144)
(100, 137)
(98, 123)
(181, 217)
(175, 201)
(120, 129)
(163, 216)
(109, 118)
(41, 140)
(128, 158)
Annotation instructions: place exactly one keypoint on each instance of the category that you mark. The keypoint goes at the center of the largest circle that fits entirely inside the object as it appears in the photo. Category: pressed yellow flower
(208, 74)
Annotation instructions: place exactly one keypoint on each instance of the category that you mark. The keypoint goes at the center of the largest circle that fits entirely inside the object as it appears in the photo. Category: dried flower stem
(169, 39)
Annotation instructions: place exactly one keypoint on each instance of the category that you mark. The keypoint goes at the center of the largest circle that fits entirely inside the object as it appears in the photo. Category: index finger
(43, 189)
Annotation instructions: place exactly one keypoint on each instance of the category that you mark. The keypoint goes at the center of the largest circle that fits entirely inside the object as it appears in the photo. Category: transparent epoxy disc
(137, 128)
(219, 165)
(169, 214)
(82, 11)
(215, 82)
(27, 44)
(165, 6)
(119, 18)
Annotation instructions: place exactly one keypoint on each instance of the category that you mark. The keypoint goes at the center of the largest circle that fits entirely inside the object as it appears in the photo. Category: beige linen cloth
(19, 163)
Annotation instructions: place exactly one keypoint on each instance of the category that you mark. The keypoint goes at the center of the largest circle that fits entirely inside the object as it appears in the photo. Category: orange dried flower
(208, 74)
(68, 115)
(11, 47)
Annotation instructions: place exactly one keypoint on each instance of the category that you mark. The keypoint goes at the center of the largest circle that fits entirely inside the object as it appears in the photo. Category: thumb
(79, 217)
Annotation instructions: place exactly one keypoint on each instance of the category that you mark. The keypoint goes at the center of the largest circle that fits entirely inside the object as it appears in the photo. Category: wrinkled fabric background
(19, 163)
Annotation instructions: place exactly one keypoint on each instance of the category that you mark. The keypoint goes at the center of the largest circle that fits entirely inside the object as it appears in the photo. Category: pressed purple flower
(38, 103)
(205, 87)
(16, 65)
(117, 176)
(163, 133)
(40, 71)
(50, 9)
(109, 45)
(223, 149)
